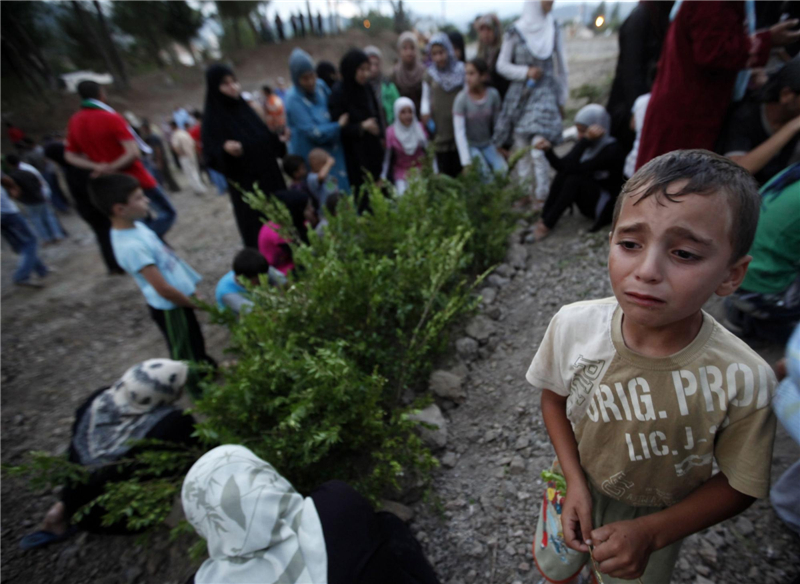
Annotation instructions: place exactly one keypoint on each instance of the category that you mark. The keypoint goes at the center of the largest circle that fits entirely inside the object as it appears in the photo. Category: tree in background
(401, 19)
(232, 13)
(144, 21)
(600, 11)
(614, 21)
(22, 39)
(94, 33)
(182, 23)
(377, 22)
(119, 65)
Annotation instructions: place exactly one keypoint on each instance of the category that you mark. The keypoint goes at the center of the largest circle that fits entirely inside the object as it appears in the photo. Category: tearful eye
(685, 255)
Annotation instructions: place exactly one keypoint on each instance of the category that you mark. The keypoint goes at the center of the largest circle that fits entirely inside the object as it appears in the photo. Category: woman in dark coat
(363, 135)
(237, 143)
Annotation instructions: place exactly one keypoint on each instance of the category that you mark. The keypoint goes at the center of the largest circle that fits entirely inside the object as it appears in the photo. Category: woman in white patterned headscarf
(108, 424)
(259, 530)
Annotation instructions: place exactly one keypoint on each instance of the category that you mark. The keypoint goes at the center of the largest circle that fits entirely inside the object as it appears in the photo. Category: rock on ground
(435, 437)
(447, 385)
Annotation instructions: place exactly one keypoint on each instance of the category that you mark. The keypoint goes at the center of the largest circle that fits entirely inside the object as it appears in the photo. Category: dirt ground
(85, 328)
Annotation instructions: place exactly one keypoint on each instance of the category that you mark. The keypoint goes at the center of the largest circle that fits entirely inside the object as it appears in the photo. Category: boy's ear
(736, 274)
(117, 209)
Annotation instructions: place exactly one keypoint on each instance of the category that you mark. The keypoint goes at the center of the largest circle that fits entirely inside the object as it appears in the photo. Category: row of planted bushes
(321, 366)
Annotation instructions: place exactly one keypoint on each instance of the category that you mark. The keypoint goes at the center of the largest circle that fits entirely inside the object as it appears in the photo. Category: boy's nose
(649, 267)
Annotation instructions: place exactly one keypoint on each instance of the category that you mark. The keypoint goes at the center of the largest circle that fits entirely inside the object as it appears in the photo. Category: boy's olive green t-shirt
(649, 428)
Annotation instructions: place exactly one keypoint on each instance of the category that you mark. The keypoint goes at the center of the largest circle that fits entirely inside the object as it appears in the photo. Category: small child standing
(167, 282)
(475, 113)
(643, 391)
(248, 265)
(406, 141)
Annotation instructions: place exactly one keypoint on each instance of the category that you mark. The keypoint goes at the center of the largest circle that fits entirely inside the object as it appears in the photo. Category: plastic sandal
(39, 539)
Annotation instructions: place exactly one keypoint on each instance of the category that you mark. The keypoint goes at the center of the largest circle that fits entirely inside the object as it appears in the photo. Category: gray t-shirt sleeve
(496, 103)
(460, 105)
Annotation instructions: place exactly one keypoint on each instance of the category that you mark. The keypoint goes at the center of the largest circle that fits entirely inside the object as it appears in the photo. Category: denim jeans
(163, 213)
(44, 222)
(491, 161)
(20, 237)
(57, 197)
(219, 180)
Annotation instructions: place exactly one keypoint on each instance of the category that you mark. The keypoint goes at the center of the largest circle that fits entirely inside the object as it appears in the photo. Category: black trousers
(566, 190)
(365, 547)
(449, 163)
(183, 334)
(101, 225)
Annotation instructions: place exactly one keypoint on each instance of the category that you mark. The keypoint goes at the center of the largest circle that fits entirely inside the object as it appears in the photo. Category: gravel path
(479, 521)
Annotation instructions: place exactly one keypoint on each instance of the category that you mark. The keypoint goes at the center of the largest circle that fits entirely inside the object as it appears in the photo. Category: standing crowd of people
(685, 223)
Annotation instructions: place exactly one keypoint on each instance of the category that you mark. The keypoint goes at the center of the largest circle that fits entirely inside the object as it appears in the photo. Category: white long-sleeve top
(425, 102)
(513, 72)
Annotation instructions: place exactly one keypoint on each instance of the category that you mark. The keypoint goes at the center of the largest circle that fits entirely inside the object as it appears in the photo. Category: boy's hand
(576, 515)
(622, 549)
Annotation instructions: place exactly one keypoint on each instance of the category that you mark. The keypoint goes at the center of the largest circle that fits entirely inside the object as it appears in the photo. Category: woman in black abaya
(363, 136)
(237, 143)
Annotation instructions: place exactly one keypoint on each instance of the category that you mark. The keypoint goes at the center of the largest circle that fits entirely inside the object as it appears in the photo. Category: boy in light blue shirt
(248, 265)
(166, 281)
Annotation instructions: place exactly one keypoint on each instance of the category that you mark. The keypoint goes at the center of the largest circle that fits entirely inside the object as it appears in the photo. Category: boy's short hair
(173, 124)
(266, 89)
(88, 89)
(706, 173)
(317, 155)
(480, 65)
(250, 263)
(292, 163)
(111, 189)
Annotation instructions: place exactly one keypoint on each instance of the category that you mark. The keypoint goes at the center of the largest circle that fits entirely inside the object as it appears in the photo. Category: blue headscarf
(452, 76)
(299, 63)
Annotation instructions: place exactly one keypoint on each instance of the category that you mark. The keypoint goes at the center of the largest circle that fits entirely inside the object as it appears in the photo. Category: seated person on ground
(644, 392)
(268, 532)
(764, 136)
(768, 303)
(248, 266)
(138, 406)
(589, 175)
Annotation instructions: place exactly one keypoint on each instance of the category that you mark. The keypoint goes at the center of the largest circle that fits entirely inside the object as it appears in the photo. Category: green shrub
(322, 366)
